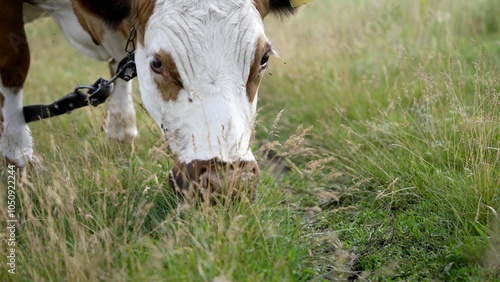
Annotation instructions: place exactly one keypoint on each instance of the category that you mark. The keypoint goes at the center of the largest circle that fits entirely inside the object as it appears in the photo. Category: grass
(389, 138)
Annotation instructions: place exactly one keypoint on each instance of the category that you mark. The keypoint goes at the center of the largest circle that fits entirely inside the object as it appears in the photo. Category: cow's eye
(156, 65)
(264, 61)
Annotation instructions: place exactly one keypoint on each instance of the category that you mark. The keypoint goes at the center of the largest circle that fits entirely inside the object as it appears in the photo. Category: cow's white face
(194, 73)
(199, 70)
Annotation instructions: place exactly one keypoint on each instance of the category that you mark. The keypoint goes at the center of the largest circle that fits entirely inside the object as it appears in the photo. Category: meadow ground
(383, 115)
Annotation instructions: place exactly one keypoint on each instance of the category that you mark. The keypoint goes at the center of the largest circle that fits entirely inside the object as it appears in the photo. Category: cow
(199, 66)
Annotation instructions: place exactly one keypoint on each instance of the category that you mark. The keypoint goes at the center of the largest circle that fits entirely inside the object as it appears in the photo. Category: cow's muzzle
(214, 180)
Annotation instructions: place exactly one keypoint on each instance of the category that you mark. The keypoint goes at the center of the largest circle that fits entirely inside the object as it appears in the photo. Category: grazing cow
(199, 65)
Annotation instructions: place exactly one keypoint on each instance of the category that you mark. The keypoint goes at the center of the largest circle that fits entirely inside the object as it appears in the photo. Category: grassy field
(384, 120)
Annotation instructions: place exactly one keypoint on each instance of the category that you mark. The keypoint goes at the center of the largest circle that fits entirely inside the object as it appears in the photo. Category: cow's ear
(279, 7)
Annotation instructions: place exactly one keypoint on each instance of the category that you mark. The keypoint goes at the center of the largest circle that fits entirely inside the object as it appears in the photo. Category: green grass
(390, 136)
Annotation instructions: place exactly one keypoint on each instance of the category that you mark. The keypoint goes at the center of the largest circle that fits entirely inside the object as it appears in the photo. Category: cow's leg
(16, 143)
(120, 116)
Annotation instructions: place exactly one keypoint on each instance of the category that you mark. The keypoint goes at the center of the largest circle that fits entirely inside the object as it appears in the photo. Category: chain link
(130, 46)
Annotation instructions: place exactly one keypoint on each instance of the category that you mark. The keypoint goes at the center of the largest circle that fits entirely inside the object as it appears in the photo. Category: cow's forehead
(222, 7)
(204, 23)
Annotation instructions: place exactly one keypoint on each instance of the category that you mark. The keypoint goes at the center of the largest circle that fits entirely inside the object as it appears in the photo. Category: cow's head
(199, 64)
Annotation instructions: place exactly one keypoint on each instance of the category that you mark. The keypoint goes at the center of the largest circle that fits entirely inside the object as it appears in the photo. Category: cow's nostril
(202, 170)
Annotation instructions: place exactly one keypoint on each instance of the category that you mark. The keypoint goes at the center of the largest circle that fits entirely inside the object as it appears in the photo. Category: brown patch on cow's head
(166, 77)
(260, 61)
